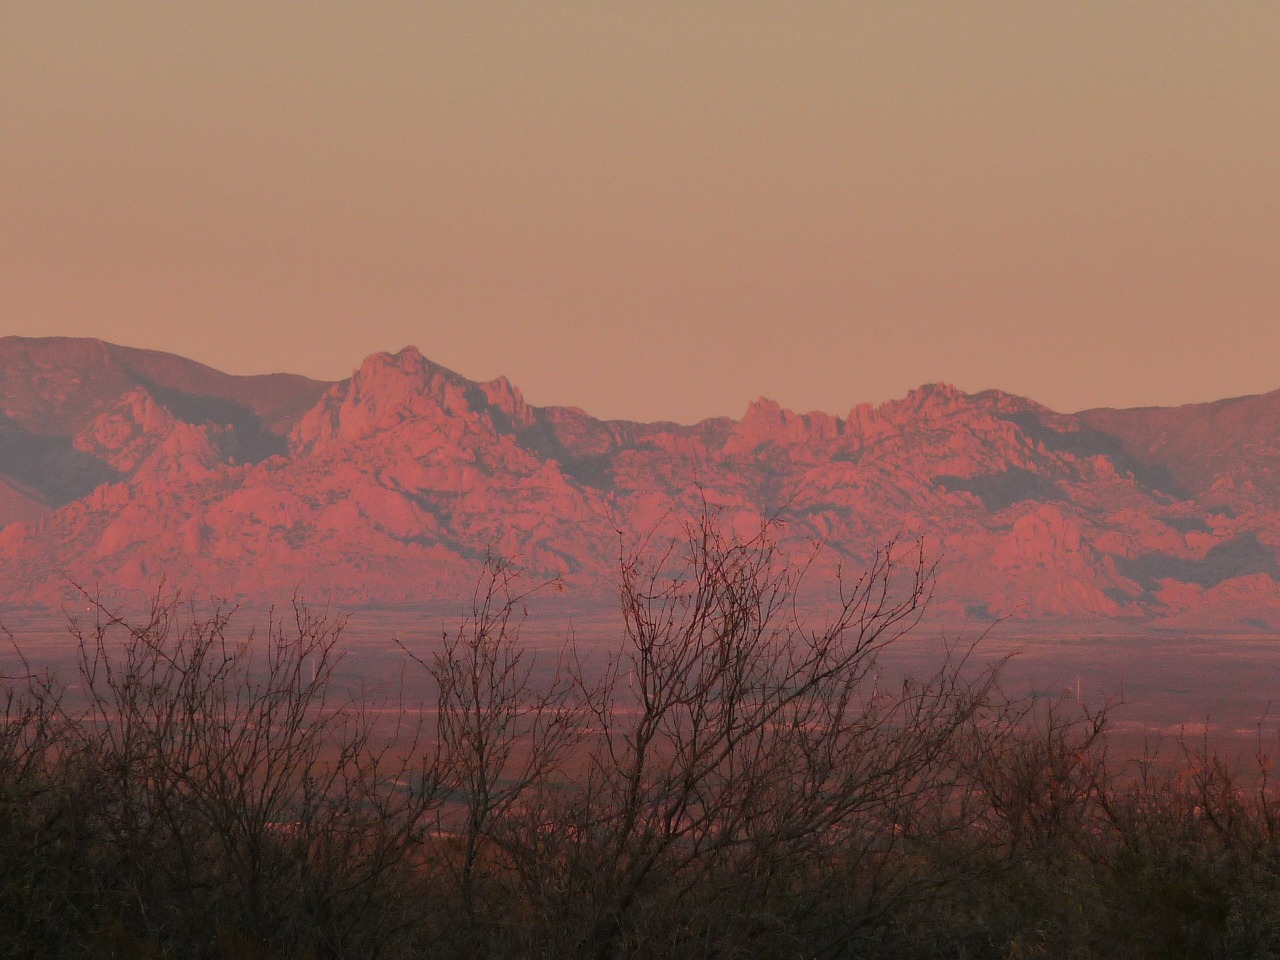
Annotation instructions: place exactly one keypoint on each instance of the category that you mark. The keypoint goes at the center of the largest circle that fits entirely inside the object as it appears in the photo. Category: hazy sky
(658, 210)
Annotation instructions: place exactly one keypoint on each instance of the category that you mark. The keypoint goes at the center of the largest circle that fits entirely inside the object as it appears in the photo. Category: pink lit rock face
(120, 467)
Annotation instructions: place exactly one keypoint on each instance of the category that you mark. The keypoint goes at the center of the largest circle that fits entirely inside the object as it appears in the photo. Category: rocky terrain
(123, 468)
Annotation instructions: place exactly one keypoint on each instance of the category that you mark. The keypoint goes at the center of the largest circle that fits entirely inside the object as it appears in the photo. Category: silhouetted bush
(735, 782)
(196, 794)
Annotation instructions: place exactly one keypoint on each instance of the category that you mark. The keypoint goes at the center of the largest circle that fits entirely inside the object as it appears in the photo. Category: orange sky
(658, 210)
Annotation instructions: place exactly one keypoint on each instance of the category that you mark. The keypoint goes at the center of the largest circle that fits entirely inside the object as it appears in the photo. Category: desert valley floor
(1220, 690)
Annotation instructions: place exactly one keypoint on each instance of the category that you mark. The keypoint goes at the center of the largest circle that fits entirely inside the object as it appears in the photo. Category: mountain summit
(119, 467)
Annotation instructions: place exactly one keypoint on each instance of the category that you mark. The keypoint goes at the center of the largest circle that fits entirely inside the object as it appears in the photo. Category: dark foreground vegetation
(735, 783)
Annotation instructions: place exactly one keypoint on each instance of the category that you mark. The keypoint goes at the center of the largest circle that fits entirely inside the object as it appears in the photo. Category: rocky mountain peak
(930, 401)
(389, 389)
(503, 396)
(767, 422)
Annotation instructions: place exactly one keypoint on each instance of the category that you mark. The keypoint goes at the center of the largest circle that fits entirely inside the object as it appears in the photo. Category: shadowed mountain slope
(1226, 451)
(58, 395)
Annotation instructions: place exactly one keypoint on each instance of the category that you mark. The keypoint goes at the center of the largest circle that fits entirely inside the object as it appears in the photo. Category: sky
(658, 210)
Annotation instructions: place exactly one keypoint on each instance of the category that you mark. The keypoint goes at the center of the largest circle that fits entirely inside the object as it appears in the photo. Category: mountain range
(121, 469)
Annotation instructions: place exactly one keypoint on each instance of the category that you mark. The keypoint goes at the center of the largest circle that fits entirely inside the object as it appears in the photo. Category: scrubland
(737, 780)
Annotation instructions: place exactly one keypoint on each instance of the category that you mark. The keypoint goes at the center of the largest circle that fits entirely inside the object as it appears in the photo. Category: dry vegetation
(737, 783)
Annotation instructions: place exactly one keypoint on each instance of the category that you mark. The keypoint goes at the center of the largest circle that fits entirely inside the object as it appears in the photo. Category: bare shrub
(747, 784)
(223, 793)
(499, 734)
(41, 885)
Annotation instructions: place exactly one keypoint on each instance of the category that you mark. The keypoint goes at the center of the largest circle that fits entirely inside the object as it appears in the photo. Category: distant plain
(1207, 689)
